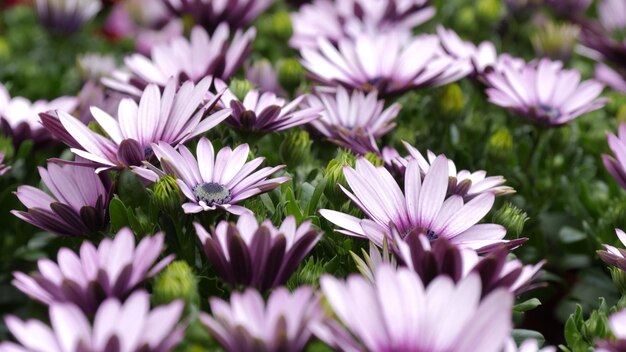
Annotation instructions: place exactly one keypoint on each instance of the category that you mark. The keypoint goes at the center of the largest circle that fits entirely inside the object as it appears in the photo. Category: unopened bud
(374, 159)
(177, 281)
(167, 195)
(466, 18)
(240, 88)
(489, 11)
(451, 99)
(290, 74)
(512, 218)
(556, 41)
(500, 143)
(281, 25)
(334, 177)
(619, 279)
(295, 148)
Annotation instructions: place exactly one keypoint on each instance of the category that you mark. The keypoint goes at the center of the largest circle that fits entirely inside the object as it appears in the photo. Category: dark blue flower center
(548, 111)
(147, 153)
(212, 193)
(431, 235)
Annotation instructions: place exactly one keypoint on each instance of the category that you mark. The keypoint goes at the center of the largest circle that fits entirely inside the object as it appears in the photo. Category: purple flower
(611, 77)
(482, 57)
(264, 76)
(353, 121)
(423, 208)
(344, 18)
(114, 269)
(432, 259)
(248, 324)
(265, 112)
(211, 182)
(171, 117)
(398, 313)
(129, 326)
(19, 118)
(259, 256)
(213, 14)
(3, 168)
(616, 165)
(390, 62)
(544, 92)
(605, 39)
(183, 59)
(528, 345)
(615, 256)
(463, 183)
(66, 16)
(569, 8)
(617, 322)
(78, 205)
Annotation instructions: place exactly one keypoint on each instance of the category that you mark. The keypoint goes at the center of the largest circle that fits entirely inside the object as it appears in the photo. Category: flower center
(548, 111)
(431, 235)
(212, 193)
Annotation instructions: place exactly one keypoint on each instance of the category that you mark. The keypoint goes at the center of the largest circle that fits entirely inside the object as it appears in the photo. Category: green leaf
(292, 206)
(521, 335)
(527, 305)
(118, 214)
(267, 201)
(131, 190)
(571, 235)
(311, 207)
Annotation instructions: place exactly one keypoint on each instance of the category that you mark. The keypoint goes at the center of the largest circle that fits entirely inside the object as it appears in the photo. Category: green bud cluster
(167, 195)
(512, 218)
(177, 281)
(295, 148)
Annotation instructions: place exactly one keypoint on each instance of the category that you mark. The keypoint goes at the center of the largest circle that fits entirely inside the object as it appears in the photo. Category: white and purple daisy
(422, 208)
(130, 326)
(265, 112)
(215, 181)
(185, 59)
(171, 117)
(544, 92)
(390, 62)
(398, 312)
(353, 121)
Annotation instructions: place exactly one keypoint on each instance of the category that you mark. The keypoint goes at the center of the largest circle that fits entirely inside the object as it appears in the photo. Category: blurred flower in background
(212, 13)
(66, 16)
(3, 167)
(616, 163)
(129, 326)
(246, 323)
(19, 117)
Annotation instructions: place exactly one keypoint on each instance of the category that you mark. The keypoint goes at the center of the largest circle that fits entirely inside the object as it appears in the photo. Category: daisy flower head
(247, 323)
(464, 183)
(129, 326)
(19, 117)
(423, 207)
(89, 277)
(616, 163)
(345, 18)
(398, 312)
(257, 255)
(173, 117)
(353, 121)
(265, 112)
(213, 181)
(185, 59)
(78, 203)
(390, 62)
(544, 92)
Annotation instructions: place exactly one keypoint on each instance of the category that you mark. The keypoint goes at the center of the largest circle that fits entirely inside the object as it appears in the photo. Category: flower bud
(466, 18)
(512, 218)
(621, 114)
(451, 99)
(619, 279)
(5, 49)
(556, 41)
(177, 281)
(500, 143)
(240, 87)
(295, 148)
(374, 159)
(290, 74)
(281, 25)
(489, 11)
(334, 176)
(167, 195)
